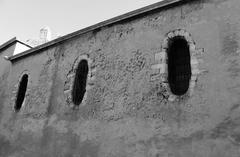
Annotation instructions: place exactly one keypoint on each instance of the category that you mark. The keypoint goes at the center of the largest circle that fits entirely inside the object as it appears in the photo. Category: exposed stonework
(128, 110)
(70, 79)
(160, 71)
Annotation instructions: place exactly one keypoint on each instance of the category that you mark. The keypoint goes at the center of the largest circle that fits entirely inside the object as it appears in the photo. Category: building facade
(161, 81)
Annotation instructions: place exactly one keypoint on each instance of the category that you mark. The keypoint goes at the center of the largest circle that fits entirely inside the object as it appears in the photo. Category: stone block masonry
(128, 109)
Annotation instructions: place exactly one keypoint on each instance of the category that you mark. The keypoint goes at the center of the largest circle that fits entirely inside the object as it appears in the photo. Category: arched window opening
(179, 65)
(21, 92)
(80, 82)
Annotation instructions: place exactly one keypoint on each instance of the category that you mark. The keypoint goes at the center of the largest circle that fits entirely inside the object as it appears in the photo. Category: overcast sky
(24, 18)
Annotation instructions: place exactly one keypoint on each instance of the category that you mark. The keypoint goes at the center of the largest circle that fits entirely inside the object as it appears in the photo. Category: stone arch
(161, 65)
(69, 83)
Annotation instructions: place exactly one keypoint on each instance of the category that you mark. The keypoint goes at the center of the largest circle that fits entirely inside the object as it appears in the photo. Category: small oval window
(179, 66)
(21, 92)
(80, 82)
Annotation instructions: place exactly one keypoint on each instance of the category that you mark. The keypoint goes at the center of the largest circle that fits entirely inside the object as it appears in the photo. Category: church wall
(128, 108)
(5, 68)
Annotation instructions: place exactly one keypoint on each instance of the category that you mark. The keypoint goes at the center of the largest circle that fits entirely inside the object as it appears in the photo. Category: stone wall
(128, 108)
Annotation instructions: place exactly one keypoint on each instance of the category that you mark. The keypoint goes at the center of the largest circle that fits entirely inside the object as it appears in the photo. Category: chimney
(45, 34)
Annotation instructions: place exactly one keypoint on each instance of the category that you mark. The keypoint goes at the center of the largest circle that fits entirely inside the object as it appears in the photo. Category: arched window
(179, 66)
(80, 82)
(21, 92)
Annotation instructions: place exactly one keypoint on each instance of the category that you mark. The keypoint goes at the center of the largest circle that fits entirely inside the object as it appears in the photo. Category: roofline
(24, 43)
(12, 41)
(7, 43)
(111, 21)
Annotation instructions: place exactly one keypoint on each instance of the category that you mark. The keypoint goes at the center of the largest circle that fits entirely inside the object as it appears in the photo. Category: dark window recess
(80, 82)
(21, 92)
(179, 66)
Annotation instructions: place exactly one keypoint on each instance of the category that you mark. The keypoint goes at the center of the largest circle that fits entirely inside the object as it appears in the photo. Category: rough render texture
(125, 112)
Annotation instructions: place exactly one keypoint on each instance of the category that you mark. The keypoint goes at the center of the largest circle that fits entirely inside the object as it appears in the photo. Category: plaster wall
(4, 64)
(5, 68)
(128, 109)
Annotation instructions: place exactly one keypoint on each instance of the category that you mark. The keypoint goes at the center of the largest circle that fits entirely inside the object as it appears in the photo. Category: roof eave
(111, 21)
(11, 42)
(8, 43)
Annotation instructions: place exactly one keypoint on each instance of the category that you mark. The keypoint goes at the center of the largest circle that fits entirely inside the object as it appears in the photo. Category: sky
(24, 18)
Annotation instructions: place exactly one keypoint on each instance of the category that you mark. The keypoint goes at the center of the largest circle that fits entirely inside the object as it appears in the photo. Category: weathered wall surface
(5, 68)
(128, 109)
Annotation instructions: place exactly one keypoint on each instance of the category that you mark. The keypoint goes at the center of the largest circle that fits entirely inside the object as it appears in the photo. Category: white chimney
(45, 34)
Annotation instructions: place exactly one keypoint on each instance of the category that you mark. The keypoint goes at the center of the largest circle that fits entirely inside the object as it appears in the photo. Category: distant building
(45, 35)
